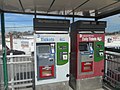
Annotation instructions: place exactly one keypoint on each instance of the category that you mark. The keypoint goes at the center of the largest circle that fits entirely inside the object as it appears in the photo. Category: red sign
(91, 37)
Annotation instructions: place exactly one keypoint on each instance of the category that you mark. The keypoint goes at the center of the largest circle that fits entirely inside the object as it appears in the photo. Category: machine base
(85, 84)
(89, 84)
(54, 86)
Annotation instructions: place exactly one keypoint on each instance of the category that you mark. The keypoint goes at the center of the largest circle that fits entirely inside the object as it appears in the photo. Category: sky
(113, 23)
(20, 22)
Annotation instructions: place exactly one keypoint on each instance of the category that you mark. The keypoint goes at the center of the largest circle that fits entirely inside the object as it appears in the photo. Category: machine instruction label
(51, 38)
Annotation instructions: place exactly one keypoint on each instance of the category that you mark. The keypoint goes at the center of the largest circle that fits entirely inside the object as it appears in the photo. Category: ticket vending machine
(51, 53)
(87, 55)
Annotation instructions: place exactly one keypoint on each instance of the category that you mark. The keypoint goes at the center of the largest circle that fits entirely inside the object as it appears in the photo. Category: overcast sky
(113, 23)
(19, 22)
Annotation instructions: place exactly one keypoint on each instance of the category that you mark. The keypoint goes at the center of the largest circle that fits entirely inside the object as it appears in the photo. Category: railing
(20, 71)
(112, 69)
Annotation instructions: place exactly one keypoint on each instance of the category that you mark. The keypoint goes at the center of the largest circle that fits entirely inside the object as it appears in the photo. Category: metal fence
(20, 71)
(112, 69)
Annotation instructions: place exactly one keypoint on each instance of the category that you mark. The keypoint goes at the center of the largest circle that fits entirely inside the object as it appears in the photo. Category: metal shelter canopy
(81, 8)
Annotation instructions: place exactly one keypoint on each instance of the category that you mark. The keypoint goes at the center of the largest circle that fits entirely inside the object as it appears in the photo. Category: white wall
(26, 45)
(114, 41)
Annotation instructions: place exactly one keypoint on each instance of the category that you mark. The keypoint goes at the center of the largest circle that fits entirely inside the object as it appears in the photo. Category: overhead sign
(41, 24)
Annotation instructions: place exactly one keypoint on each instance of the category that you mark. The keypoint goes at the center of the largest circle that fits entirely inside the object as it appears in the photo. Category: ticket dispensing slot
(46, 71)
(87, 66)
(45, 60)
(86, 56)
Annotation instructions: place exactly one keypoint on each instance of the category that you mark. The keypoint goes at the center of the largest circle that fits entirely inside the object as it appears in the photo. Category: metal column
(73, 19)
(4, 52)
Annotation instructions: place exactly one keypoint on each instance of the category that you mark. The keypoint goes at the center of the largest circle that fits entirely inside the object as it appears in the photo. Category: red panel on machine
(87, 66)
(46, 71)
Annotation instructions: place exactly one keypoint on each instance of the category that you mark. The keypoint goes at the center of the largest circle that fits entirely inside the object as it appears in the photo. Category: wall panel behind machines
(51, 54)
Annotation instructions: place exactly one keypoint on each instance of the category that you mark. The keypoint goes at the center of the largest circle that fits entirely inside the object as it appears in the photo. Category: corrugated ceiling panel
(113, 7)
(43, 5)
(96, 4)
(66, 4)
(28, 5)
(58, 7)
(12, 5)
(1, 4)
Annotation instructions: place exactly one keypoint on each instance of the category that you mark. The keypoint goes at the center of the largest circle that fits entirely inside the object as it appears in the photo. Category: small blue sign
(62, 39)
(47, 39)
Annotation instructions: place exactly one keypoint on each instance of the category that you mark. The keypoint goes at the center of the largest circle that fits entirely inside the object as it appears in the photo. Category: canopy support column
(4, 52)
